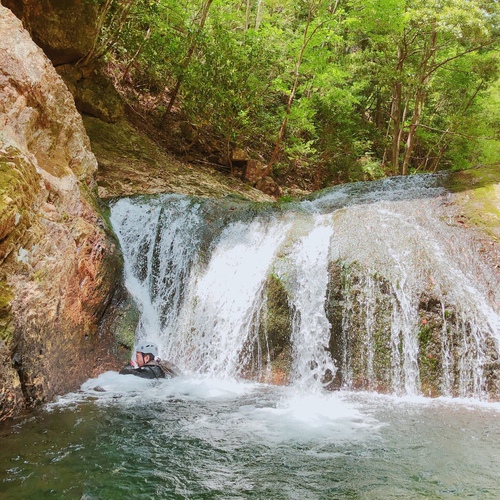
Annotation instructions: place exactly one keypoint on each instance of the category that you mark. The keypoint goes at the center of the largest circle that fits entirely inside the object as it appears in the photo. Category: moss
(430, 343)
(6, 325)
(424, 336)
(478, 195)
(111, 142)
(473, 178)
(277, 321)
(271, 352)
(9, 185)
(383, 354)
(126, 325)
(286, 199)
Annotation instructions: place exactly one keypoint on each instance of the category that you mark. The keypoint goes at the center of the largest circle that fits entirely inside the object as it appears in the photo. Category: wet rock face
(369, 352)
(268, 357)
(67, 31)
(368, 349)
(57, 265)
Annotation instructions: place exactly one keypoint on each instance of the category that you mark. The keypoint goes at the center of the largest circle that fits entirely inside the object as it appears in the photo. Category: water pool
(194, 438)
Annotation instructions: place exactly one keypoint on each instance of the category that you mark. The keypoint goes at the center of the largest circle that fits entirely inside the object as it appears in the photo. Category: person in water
(149, 365)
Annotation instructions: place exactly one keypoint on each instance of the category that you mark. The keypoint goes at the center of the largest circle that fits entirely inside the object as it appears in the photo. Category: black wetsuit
(153, 370)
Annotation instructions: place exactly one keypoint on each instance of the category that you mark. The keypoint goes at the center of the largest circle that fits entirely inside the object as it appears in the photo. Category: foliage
(351, 89)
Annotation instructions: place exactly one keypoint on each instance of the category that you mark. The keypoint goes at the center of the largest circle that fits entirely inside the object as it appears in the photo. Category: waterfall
(311, 328)
(225, 297)
(367, 285)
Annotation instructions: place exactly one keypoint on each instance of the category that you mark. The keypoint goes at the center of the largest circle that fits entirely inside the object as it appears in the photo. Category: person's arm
(127, 369)
(150, 372)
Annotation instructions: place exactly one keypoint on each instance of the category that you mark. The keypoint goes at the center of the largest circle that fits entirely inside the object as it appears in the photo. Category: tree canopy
(340, 90)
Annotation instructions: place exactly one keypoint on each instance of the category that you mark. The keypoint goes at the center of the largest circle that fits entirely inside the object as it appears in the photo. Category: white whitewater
(306, 272)
(200, 283)
(224, 298)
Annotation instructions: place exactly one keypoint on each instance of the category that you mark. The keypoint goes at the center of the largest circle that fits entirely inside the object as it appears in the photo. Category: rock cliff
(58, 267)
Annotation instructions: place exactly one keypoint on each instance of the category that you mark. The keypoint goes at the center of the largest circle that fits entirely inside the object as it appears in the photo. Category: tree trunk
(247, 16)
(419, 99)
(100, 23)
(258, 16)
(396, 127)
(415, 121)
(398, 114)
(203, 15)
(122, 15)
(313, 7)
(137, 52)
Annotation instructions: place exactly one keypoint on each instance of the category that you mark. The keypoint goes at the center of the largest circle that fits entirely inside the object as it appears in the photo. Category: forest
(316, 90)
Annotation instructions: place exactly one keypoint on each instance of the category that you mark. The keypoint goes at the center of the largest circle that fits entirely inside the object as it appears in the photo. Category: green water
(198, 439)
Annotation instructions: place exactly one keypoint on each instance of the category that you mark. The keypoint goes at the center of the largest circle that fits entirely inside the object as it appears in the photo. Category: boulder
(58, 266)
(93, 91)
(65, 30)
(254, 170)
(37, 111)
(239, 155)
(269, 186)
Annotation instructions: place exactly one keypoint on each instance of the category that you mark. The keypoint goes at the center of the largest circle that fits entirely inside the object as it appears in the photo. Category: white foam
(326, 416)
(267, 414)
(280, 415)
(128, 389)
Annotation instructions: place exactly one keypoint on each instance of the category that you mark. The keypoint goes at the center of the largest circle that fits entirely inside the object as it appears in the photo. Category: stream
(200, 438)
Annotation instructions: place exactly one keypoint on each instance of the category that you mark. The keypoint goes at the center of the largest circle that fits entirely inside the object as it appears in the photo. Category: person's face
(141, 359)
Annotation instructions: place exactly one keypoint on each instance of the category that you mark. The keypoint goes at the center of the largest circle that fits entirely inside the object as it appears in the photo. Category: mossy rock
(429, 357)
(6, 322)
(19, 186)
(125, 324)
(477, 193)
(268, 356)
(131, 163)
(64, 29)
(94, 93)
(362, 357)
(277, 324)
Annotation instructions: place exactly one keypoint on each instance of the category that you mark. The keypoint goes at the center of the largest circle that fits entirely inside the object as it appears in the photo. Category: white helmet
(148, 348)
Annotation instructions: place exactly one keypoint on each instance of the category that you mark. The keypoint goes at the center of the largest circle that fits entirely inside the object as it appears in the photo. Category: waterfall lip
(396, 188)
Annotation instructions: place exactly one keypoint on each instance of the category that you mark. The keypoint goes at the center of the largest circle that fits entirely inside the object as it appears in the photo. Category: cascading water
(383, 291)
(308, 261)
(367, 286)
